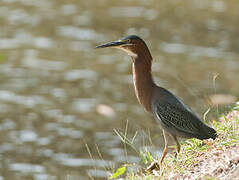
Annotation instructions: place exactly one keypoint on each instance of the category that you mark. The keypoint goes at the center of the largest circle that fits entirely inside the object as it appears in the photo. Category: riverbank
(208, 159)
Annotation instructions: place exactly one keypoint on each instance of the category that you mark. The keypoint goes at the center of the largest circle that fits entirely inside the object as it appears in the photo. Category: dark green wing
(177, 118)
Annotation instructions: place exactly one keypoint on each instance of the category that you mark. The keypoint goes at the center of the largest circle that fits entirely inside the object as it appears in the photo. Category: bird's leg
(178, 145)
(155, 165)
(165, 151)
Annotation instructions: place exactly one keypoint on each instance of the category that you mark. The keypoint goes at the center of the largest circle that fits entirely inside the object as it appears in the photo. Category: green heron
(175, 118)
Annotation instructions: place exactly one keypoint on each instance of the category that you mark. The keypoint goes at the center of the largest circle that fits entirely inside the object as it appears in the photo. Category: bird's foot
(176, 154)
(153, 166)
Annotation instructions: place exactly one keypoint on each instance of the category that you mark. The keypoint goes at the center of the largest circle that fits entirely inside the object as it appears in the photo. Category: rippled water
(62, 102)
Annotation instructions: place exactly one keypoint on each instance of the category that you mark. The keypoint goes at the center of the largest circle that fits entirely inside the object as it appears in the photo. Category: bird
(175, 118)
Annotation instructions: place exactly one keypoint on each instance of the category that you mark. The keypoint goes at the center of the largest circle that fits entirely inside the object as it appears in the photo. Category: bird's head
(132, 45)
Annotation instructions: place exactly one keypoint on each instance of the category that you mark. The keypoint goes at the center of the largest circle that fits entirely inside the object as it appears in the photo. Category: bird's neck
(143, 80)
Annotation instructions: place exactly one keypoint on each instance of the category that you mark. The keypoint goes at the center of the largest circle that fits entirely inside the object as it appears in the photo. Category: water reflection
(79, 33)
(30, 60)
(29, 101)
(76, 162)
(148, 14)
(77, 74)
(60, 100)
(197, 51)
(27, 136)
(27, 168)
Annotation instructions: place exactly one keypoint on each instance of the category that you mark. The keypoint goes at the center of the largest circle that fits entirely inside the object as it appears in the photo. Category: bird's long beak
(112, 44)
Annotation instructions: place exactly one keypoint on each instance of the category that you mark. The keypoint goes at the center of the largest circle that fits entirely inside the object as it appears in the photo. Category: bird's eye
(128, 40)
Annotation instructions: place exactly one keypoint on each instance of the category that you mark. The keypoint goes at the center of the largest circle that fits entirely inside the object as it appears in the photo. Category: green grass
(193, 153)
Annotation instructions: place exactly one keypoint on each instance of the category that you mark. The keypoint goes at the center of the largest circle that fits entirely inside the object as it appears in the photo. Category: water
(62, 101)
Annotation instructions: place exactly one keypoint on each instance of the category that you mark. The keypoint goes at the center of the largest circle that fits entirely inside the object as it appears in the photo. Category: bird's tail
(208, 132)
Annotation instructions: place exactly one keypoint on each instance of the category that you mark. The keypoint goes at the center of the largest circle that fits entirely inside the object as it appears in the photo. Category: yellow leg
(165, 151)
(155, 165)
(178, 145)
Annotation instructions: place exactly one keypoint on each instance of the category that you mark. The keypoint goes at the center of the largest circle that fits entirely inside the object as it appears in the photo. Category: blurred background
(62, 101)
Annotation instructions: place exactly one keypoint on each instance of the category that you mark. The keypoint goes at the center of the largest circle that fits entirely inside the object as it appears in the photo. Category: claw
(153, 166)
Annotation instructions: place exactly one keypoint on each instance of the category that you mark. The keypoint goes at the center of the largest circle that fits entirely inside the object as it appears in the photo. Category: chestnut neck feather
(143, 81)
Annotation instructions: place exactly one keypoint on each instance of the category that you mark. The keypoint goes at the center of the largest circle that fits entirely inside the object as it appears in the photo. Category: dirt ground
(221, 162)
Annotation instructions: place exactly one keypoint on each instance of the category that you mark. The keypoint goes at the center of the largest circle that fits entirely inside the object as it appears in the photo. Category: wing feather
(178, 118)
